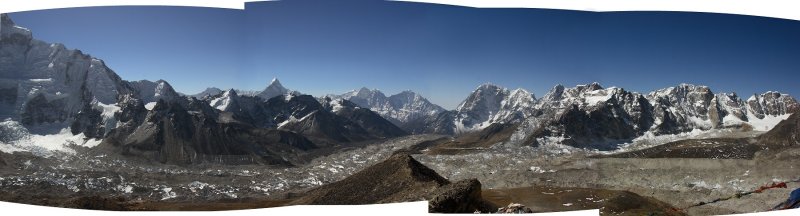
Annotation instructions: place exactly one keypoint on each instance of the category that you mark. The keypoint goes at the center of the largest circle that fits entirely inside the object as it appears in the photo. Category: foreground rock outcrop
(400, 178)
(460, 197)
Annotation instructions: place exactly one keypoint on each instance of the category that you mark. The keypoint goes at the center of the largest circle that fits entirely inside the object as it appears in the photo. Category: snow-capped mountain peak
(275, 83)
(208, 92)
(409, 100)
(400, 108)
(369, 94)
(594, 86)
(771, 103)
(486, 97)
(583, 95)
(275, 88)
(223, 102)
(8, 28)
(150, 91)
(490, 103)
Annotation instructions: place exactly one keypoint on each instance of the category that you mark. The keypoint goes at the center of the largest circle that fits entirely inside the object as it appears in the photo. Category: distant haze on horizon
(441, 52)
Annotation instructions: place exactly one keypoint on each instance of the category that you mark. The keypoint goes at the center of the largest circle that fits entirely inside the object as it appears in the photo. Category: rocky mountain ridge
(59, 87)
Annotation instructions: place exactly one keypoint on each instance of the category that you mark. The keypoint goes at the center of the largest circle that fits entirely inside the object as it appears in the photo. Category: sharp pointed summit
(275, 82)
(274, 89)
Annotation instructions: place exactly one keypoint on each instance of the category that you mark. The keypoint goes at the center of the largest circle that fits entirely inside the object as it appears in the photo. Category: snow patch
(293, 119)
(41, 80)
(159, 89)
(168, 193)
(196, 186)
(699, 122)
(731, 120)
(597, 96)
(648, 139)
(336, 105)
(108, 111)
(221, 103)
(150, 106)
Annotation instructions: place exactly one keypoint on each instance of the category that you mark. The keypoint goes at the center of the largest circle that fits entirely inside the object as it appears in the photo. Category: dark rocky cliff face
(40, 110)
(442, 123)
(578, 119)
(785, 134)
(48, 83)
(343, 123)
(244, 109)
(370, 121)
(185, 134)
(589, 116)
(772, 103)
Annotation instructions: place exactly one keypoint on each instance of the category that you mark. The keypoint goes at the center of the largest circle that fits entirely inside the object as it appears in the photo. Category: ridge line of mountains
(45, 87)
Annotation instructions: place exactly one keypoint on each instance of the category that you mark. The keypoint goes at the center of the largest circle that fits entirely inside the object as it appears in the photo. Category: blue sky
(442, 52)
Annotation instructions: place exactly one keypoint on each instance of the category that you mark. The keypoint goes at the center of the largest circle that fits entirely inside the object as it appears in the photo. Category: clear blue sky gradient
(441, 52)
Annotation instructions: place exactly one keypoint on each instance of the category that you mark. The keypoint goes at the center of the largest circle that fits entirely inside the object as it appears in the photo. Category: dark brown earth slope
(474, 141)
(176, 133)
(715, 148)
(400, 179)
(397, 179)
(553, 199)
(785, 134)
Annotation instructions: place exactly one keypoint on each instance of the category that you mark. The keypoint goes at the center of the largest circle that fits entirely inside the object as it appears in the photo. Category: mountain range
(46, 85)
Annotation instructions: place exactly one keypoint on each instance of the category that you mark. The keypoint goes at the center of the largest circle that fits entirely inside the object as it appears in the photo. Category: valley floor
(67, 180)
(540, 178)
(684, 183)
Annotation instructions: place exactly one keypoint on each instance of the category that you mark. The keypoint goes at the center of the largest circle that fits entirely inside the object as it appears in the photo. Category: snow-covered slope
(224, 101)
(16, 137)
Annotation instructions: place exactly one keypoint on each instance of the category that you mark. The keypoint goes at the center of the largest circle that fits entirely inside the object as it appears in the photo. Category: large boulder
(460, 197)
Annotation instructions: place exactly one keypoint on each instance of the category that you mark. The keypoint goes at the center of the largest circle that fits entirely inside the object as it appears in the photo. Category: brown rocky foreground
(400, 178)
(555, 199)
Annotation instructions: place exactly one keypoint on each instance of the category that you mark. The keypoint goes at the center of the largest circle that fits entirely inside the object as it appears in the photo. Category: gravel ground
(31, 179)
(681, 182)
